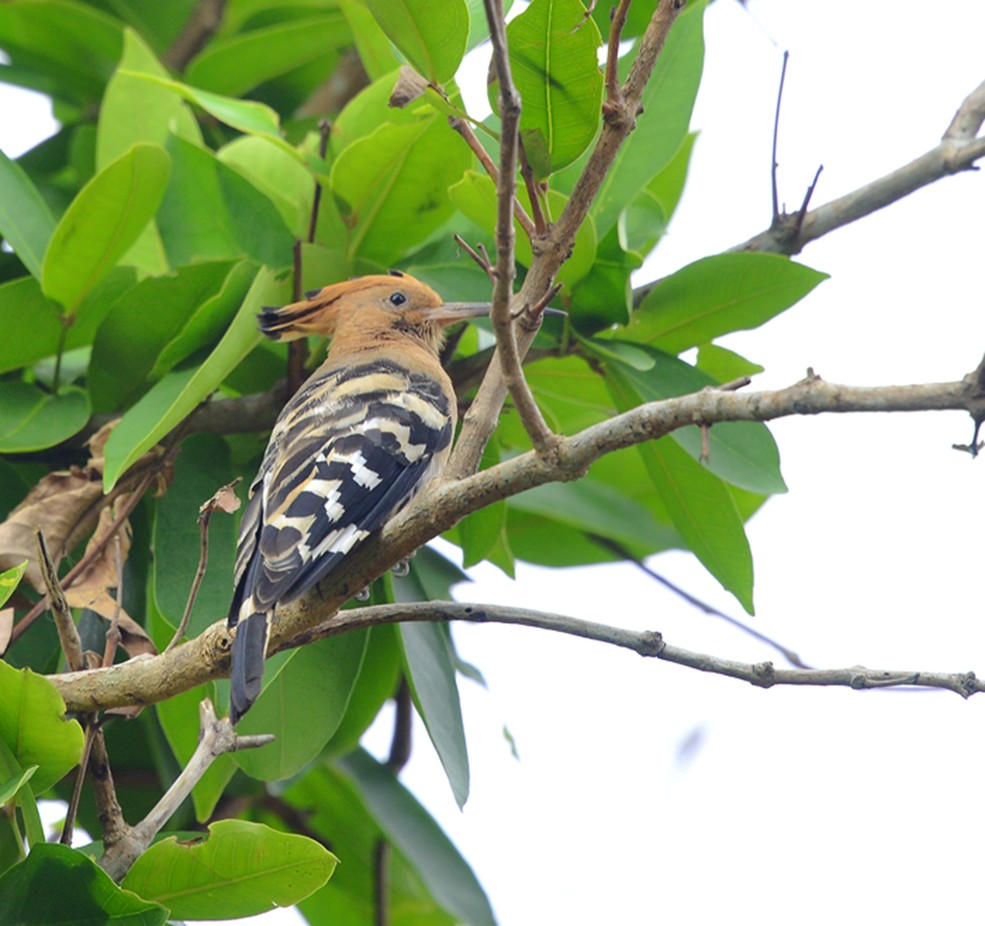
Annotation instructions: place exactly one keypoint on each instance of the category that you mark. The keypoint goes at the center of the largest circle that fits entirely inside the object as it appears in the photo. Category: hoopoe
(366, 431)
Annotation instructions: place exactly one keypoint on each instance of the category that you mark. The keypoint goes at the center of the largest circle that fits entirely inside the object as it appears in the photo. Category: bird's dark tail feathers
(249, 651)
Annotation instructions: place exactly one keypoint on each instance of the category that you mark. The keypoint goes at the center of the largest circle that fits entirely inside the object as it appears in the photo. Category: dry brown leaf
(225, 499)
(409, 86)
(91, 588)
(65, 505)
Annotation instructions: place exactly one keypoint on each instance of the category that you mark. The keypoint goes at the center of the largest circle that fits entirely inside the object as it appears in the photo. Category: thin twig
(533, 190)
(113, 631)
(200, 27)
(68, 828)
(203, 560)
(68, 633)
(651, 643)
(776, 134)
(613, 90)
(472, 140)
(482, 260)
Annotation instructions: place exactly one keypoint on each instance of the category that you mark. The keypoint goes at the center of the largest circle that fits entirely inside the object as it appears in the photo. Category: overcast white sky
(647, 792)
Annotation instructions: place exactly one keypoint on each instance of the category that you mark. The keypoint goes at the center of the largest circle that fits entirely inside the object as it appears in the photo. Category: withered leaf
(225, 499)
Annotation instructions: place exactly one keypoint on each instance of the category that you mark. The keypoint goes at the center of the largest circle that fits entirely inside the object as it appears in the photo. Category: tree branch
(144, 681)
(959, 149)
(649, 643)
(553, 250)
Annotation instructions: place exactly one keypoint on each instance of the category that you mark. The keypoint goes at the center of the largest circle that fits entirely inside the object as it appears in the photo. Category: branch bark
(144, 681)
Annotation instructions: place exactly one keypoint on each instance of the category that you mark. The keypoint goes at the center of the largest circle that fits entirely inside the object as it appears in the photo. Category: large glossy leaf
(375, 51)
(33, 726)
(717, 295)
(245, 115)
(26, 223)
(321, 676)
(102, 223)
(212, 211)
(238, 869)
(743, 453)
(32, 420)
(135, 110)
(409, 827)
(700, 507)
(553, 57)
(705, 515)
(286, 183)
(10, 787)
(234, 65)
(59, 885)
(431, 34)
(172, 399)
(667, 104)
(142, 323)
(430, 672)
(394, 183)
(32, 326)
(604, 297)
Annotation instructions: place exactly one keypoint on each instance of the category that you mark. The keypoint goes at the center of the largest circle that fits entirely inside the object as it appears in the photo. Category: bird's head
(370, 307)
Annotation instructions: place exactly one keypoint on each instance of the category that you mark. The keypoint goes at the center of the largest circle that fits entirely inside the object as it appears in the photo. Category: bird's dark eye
(397, 299)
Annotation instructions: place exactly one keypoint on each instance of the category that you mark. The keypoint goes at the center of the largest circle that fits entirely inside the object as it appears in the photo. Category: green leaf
(135, 110)
(286, 183)
(725, 365)
(555, 67)
(717, 295)
(375, 51)
(33, 725)
(172, 399)
(101, 223)
(604, 297)
(210, 211)
(245, 115)
(743, 453)
(32, 420)
(84, 893)
(75, 45)
(239, 869)
(199, 472)
(661, 129)
(336, 810)
(705, 514)
(699, 505)
(395, 184)
(322, 677)
(430, 672)
(9, 788)
(142, 322)
(237, 64)
(430, 34)
(378, 679)
(32, 325)
(9, 580)
(448, 877)
(26, 222)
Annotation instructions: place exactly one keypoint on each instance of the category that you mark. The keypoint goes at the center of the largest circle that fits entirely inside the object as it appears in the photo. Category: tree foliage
(193, 180)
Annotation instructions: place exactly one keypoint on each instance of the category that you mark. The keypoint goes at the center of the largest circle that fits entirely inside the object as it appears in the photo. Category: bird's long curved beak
(450, 312)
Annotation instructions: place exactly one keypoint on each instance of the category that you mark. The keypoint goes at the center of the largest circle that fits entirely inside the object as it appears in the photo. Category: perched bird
(366, 431)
